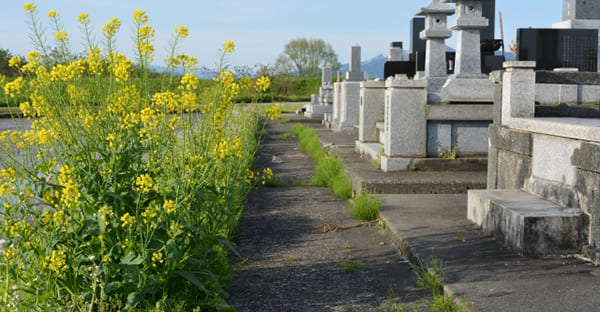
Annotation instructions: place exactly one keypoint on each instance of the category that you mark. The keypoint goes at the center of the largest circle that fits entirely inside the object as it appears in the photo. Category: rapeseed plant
(117, 199)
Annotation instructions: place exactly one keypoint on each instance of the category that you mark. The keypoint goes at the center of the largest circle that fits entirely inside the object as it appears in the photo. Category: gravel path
(286, 266)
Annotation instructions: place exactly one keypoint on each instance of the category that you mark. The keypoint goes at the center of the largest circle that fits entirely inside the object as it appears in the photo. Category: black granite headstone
(555, 48)
(489, 12)
(417, 24)
(391, 68)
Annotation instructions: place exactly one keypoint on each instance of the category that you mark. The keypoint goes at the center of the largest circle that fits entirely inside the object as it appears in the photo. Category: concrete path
(478, 269)
(286, 266)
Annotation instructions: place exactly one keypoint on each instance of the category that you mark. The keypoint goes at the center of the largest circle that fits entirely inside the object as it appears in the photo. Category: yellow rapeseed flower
(83, 18)
(52, 14)
(263, 83)
(14, 61)
(140, 16)
(61, 36)
(29, 7)
(229, 46)
(57, 262)
(144, 183)
(127, 220)
(169, 206)
(274, 112)
(14, 87)
(181, 31)
(157, 257)
(111, 28)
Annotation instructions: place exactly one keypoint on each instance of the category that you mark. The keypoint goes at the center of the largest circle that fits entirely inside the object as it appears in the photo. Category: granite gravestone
(418, 45)
(559, 48)
(581, 10)
(354, 74)
(396, 64)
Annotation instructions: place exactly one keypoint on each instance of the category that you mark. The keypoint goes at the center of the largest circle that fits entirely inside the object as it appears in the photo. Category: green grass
(351, 266)
(293, 259)
(285, 121)
(433, 277)
(274, 181)
(394, 304)
(286, 135)
(365, 207)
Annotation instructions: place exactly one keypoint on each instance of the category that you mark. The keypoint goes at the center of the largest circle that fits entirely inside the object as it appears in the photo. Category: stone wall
(562, 170)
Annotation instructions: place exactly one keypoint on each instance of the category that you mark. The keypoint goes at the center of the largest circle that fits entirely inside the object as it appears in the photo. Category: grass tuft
(286, 135)
(351, 266)
(274, 182)
(365, 207)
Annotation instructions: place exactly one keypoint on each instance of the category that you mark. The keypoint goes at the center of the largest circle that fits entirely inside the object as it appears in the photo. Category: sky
(259, 28)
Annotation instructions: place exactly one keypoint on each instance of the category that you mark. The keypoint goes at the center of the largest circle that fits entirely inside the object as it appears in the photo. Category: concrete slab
(479, 270)
(365, 174)
(529, 224)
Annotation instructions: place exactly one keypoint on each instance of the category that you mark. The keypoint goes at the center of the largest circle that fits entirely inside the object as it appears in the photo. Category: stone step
(529, 224)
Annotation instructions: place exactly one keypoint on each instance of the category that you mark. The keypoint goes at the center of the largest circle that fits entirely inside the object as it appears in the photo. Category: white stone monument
(347, 106)
(581, 14)
(468, 84)
(435, 34)
(325, 97)
(396, 52)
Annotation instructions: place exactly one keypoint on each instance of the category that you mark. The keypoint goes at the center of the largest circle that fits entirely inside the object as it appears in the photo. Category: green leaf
(131, 259)
(194, 280)
(228, 244)
(115, 196)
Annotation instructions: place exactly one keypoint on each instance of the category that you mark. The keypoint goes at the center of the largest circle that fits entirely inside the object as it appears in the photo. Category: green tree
(306, 56)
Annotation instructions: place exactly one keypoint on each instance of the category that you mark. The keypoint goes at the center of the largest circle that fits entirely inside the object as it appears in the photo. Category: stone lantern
(435, 34)
(468, 24)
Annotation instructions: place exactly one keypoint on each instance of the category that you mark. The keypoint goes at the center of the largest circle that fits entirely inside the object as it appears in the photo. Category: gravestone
(581, 10)
(435, 34)
(581, 14)
(396, 52)
(347, 103)
(396, 63)
(325, 97)
(559, 48)
(326, 91)
(417, 44)
(354, 74)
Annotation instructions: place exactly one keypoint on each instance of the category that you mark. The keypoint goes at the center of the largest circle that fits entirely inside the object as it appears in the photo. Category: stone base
(529, 224)
(435, 83)
(467, 90)
(592, 253)
(342, 127)
(373, 150)
(317, 111)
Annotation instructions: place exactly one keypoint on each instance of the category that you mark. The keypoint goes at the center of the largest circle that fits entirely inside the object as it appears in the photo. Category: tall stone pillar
(405, 124)
(435, 34)
(518, 91)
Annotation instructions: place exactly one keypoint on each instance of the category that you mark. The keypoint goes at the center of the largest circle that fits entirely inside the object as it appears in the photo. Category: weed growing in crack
(351, 266)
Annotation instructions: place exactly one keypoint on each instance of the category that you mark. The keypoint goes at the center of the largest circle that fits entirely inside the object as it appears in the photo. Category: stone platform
(529, 224)
(479, 269)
